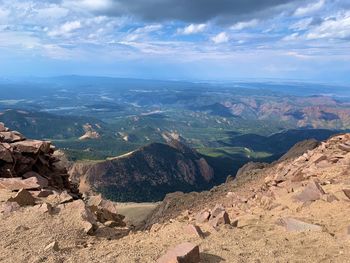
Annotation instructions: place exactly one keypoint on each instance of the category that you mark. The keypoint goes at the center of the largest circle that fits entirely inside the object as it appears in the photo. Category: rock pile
(29, 177)
(29, 164)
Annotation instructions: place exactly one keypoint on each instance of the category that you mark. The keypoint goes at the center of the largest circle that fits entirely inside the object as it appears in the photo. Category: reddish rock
(184, 253)
(329, 198)
(344, 147)
(312, 192)
(31, 146)
(294, 225)
(220, 219)
(15, 184)
(347, 192)
(104, 210)
(23, 198)
(5, 154)
(43, 182)
(217, 210)
(45, 208)
(11, 136)
(9, 207)
(194, 230)
(64, 197)
(2, 127)
(45, 193)
(202, 217)
(86, 218)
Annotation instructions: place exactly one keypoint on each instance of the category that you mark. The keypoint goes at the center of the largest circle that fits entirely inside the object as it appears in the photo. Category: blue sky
(177, 39)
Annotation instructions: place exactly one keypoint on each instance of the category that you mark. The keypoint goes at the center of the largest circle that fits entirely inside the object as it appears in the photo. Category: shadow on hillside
(111, 233)
(210, 258)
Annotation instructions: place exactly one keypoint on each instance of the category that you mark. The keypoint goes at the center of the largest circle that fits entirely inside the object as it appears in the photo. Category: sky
(177, 39)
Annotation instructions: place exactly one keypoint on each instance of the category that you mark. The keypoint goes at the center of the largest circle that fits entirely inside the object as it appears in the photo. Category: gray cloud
(193, 10)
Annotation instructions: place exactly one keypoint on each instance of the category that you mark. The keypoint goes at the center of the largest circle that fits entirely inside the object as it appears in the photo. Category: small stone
(45, 208)
(111, 224)
(184, 253)
(294, 225)
(21, 228)
(45, 193)
(52, 247)
(23, 198)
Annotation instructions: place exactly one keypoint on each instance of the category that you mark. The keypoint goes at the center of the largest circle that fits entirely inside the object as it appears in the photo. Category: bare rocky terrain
(293, 210)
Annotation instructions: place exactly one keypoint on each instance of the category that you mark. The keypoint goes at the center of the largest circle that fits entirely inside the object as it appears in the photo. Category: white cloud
(142, 32)
(91, 5)
(244, 25)
(66, 29)
(220, 38)
(302, 24)
(192, 29)
(3, 15)
(310, 8)
(338, 28)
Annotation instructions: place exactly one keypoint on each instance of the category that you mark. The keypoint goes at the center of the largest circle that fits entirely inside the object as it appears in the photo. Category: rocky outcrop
(29, 164)
(29, 177)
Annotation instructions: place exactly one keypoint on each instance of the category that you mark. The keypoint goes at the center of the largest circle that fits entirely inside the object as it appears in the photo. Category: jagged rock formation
(146, 174)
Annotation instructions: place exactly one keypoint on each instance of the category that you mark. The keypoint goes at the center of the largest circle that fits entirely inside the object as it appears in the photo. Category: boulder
(312, 192)
(183, 253)
(104, 210)
(294, 225)
(9, 207)
(344, 147)
(31, 146)
(347, 192)
(202, 217)
(11, 136)
(194, 230)
(2, 127)
(23, 198)
(81, 215)
(42, 181)
(64, 197)
(329, 198)
(221, 219)
(45, 208)
(15, 184)
(5, 154)
(217, 210)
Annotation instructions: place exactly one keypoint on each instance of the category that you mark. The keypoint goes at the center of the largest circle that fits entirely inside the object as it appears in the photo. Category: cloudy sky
(177, 39)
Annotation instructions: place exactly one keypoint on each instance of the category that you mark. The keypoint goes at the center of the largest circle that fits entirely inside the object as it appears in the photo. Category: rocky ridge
(294, 210)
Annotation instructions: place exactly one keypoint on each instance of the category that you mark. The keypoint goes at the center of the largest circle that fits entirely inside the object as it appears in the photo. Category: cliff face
(146, 174)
